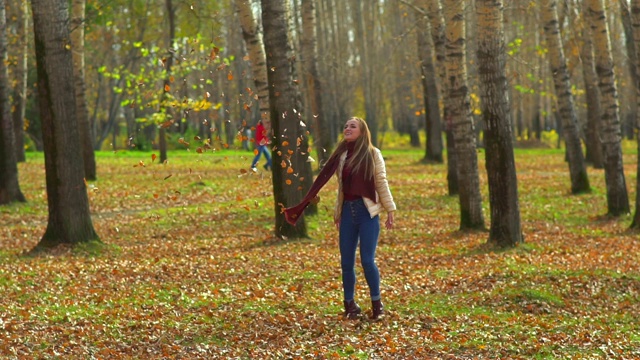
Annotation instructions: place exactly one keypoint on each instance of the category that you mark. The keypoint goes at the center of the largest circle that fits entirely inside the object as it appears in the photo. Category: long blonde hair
(363, 151)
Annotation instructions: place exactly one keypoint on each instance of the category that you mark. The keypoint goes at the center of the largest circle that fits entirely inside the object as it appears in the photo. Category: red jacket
(261, 135)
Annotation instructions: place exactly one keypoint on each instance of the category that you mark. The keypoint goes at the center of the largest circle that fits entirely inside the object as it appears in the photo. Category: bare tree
(20, 88)
(255, 48)
(635, 19)
(290, 154)
(592, 132)
(610, 131)
(566, 109)
(462, 127)
(86, 136)
(426, 49)
(9, 185)
(500, 161)
(69, 217)
(323, 140)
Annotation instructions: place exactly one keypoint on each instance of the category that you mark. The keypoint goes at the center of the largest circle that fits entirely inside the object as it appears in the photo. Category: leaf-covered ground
(191, 269)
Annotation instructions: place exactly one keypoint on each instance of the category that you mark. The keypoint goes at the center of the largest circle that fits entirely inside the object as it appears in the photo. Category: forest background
(457, 297)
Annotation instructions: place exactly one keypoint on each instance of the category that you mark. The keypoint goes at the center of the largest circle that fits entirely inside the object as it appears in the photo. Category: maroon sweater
(356, 185)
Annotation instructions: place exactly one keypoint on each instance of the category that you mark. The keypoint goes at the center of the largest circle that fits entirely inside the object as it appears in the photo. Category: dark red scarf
(364, 187)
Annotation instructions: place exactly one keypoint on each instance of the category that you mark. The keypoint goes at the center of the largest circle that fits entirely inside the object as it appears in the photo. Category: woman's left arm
(382, 188)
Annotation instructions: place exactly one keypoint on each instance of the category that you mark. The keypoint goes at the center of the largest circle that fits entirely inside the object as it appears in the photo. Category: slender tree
(436, 16)
(505, 227)
(288, 155)
(69, 217)
(255, 49)
(567, 113)
(635, 21)
(433, 124)
(168, 63)
(322, 136)
(20, 88)
(592, 94)
(462, 127)
(610, 131)
(9, 185)
(361, 11)
(86, 135)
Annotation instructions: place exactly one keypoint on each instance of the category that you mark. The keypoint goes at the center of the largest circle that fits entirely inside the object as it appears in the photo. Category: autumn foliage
(189, 268)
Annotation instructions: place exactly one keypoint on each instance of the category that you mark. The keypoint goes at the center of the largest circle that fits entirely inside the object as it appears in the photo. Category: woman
(363, 194)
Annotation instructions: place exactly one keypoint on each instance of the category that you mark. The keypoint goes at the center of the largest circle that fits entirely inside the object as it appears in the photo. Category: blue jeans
(356, 224)
(262, 149)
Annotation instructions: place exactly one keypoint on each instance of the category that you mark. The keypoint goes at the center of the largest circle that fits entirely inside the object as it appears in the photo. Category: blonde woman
(363, 194)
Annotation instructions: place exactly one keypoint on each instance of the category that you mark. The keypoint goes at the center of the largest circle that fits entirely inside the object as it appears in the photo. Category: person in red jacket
(262, 141)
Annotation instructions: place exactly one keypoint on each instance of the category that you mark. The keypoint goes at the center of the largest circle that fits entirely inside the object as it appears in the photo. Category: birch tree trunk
(462, 127)
(505, 227)
(617, 197)
(84, 127)
(9, 184)
(566, 109)
(592, 94)
(69, 216)
(323, 140)
(285, 120)
(434, 9)
(364, 42)
(255, 48)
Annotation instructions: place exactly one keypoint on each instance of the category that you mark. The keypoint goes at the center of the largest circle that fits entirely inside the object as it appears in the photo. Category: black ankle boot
(377, 310)
(351, 309)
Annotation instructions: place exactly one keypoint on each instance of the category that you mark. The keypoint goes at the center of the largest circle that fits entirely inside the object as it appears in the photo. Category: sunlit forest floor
(190, 268)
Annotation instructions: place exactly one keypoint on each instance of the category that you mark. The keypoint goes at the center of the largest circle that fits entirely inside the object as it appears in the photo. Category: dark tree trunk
(9, 185)
(288, 155)
(434, 146)
(20, 73)
(167, 83)
(500, 162)
(69, 216)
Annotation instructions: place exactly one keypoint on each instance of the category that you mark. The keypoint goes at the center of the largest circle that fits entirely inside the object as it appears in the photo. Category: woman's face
(351, 130)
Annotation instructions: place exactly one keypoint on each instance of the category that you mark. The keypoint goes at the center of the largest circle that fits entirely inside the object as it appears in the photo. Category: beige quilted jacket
(384, 199)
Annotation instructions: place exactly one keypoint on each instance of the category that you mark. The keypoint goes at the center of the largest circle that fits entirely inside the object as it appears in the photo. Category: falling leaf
(290, 170)
(167, 88)
(214, 53)
(283, 164)
(288, 182)
(153, 157)
(285, 143)
(229, 76)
